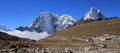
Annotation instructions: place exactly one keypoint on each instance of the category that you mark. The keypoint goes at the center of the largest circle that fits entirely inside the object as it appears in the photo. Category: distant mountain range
(4, 29)
(49, 22)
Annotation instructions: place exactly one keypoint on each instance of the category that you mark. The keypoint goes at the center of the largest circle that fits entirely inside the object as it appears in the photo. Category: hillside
(70, 35)
(8, 41)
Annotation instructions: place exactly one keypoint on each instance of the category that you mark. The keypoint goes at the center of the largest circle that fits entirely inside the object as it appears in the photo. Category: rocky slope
(8, 41)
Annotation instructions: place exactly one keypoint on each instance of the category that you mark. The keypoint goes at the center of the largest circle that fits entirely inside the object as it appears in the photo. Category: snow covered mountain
(44, 22)
(92, 15)
(65, 21)
(48, 22)
(4, 29)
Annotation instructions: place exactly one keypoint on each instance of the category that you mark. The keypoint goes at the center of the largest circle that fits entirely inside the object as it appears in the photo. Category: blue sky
(15, 13)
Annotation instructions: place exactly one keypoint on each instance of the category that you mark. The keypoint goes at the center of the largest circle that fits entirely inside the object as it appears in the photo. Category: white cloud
(30, 35)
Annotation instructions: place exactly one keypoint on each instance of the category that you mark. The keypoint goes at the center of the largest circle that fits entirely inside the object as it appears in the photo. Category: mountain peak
(93, 14)
(45, 21)
(45, 12)
(65, 21)
(93, 8)
(66, 16)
